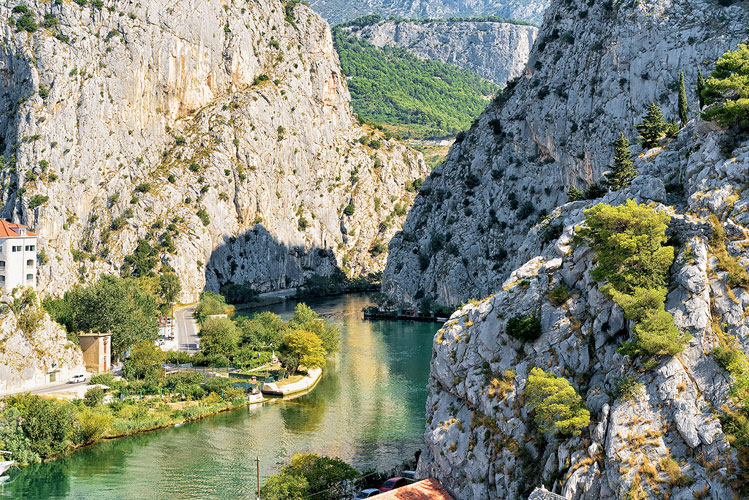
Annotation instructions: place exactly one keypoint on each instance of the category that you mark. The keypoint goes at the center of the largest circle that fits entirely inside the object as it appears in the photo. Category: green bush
(349, 210)
(210, 304)
(525, 328)
(627, 388)
(203, 216)
(37, 200)
(559, 295)
(94, 397)
(102, 379)
(27, 22)
(557, 405)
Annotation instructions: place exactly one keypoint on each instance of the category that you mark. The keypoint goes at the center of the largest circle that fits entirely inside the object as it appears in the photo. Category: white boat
(4, 466)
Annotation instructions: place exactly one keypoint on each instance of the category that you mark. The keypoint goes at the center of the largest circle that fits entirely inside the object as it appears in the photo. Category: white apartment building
(17, 256)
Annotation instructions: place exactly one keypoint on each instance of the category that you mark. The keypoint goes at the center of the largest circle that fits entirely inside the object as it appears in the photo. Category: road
(48, 388)
(186, 331)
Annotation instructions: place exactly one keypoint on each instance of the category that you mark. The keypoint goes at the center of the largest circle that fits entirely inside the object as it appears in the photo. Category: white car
(368, 493)
(77, 379)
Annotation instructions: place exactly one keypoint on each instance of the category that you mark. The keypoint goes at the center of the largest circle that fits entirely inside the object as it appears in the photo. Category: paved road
(48, 388)
(186, 331)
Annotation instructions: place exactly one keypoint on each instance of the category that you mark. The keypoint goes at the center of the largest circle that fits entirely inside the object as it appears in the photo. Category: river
(368, 409)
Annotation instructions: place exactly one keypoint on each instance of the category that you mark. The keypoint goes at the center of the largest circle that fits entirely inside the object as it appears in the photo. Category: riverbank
(306, 383)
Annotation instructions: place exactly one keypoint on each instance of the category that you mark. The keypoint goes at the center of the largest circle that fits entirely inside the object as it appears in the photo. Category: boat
(4, 466)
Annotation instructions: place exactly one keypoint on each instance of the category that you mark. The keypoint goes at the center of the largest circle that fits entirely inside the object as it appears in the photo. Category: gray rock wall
(337, 11)
(228, 116)
(592, 73)
(481, 441)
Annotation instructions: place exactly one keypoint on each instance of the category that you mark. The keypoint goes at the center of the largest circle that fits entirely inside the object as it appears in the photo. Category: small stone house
(18, 247)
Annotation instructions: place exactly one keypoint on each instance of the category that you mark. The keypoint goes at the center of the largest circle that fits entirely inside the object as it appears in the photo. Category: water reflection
(368, 409)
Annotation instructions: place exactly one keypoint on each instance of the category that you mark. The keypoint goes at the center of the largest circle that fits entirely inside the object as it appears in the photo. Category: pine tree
(682, 100)
(623, 170)
(575, 194)
(652, 128)
(700, 88)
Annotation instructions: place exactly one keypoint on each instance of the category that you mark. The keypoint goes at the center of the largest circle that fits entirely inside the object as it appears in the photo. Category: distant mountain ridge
(498, 51)
(338, 11)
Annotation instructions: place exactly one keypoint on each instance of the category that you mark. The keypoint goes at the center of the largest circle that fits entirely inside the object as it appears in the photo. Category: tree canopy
(558, 406)
(653, 127)
(629, 244)
(728, 89)
(309, 474)
(634, 261)
(415, 98)
(623, 170)
(113, 305)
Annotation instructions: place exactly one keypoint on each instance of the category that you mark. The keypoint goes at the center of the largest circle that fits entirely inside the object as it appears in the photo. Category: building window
(2, 263)
(30, 248)
(16, 248)
(30, 263)
(1, 249)
(29, 277)
(2, 278)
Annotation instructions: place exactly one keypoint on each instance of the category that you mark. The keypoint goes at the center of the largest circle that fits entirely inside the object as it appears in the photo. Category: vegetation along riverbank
(264, 346)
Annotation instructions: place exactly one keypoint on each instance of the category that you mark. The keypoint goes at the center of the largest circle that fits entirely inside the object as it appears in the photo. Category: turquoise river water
(368, 409)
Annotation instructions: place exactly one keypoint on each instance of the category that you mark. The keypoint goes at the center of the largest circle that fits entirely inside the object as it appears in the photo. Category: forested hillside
(408, 96)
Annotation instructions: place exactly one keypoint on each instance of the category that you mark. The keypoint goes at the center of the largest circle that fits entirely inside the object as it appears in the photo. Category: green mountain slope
(408, 96)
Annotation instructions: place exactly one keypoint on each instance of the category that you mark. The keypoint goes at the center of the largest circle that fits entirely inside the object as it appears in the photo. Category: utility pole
(257, 460)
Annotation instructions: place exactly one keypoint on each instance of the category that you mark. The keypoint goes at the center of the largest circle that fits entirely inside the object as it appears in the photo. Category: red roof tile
(428, 489)
(10, 230)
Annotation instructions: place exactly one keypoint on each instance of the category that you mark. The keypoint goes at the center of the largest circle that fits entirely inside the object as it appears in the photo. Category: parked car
(410, 475)
(77, 379)
(368, 493)
(393, 483)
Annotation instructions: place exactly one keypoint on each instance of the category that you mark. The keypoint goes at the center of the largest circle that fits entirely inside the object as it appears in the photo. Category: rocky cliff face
(221, 127)
(481, 441)
(591, 74)
(337, 11)
(33, 346)
(496, 51)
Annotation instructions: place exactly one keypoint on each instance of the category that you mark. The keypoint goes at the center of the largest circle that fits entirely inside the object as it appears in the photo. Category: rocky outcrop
(591, 74)
(662, 437)
(34, 350)
(337, 11)
(497, 51)
(220, 132)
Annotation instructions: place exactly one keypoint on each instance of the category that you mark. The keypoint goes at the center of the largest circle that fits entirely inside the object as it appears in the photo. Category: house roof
(10, 230)
(428, 489)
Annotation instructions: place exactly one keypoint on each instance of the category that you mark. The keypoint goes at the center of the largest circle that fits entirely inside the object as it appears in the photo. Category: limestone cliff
(34, 350)
(660, 439)
(496, 51)
(220, 131)
(592, 72)
(337, 11)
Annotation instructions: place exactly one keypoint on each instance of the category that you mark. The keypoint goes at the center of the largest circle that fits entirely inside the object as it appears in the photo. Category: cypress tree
(623, 170)
(700, 88)
(682, 100)
(652, 128)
